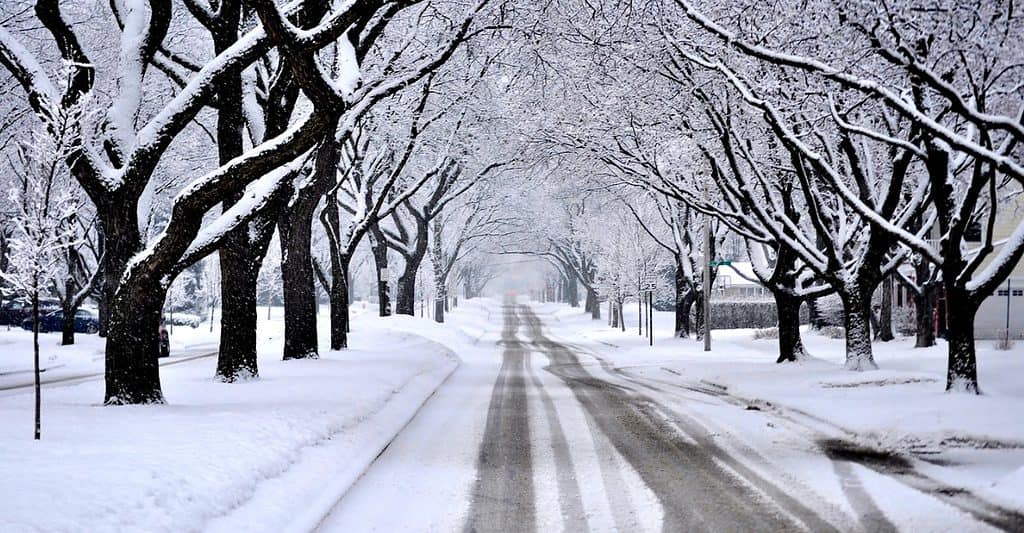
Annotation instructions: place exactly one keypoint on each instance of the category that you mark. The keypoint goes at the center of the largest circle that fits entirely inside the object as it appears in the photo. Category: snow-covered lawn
(976, 442)
(217, 456)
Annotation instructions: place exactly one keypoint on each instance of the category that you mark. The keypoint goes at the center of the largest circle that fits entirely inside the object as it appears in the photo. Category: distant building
(730, 285)
(1006, 305)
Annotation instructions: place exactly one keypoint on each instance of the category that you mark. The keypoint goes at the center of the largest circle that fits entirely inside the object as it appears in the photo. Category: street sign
(721, 262)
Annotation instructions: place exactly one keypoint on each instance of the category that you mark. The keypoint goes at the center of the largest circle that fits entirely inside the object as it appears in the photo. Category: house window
(1018, 292)
(1004, 292)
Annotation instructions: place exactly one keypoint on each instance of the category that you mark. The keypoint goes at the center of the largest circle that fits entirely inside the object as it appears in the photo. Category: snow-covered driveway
(535, 433)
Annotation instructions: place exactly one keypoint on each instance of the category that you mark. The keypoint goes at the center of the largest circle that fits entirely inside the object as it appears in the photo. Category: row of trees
(317, 112)
(847, 142)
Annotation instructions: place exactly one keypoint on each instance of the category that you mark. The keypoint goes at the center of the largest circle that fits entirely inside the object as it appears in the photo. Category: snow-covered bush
(833, 332)
(766, 333)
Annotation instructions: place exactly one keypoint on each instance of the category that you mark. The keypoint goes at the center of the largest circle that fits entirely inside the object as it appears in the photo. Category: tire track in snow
(569, 496)
(694, 491)
(503, 498)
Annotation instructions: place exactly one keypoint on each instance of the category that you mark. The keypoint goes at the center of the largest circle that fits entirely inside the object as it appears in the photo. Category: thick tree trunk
(791, 347)
(439, 305)
(339, 306)
(593, 304)
(133, 345)
(684, 301)
(236, 358)
(298, 287)
(924, 307)
(295, 228)
(242, 253)
(405, 301)
(67, 329)
(572, 292)
(885, 333)
(962, 368)
(698, 315)
(857, 321)
(379, 247)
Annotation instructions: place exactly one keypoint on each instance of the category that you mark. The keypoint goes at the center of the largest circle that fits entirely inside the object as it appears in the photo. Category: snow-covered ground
(283, 452)
(217, 456)
(974, 442)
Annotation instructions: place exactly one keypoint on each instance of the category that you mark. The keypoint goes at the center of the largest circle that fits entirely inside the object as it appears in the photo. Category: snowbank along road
(537, 434)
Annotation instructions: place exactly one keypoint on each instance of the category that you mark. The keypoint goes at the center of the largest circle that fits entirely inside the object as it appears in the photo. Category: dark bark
(379, 247)
(337, 291)
(298, 290)
(241, 253)
(683, 302)
(295, 227)
(962, 368)
(132, 373)
(339, 301)
(857, 321)
(35, 361)
(593, 304)
(924, 307)
(698, 315)
(67, 327)
(572, 293)
(236, 359)
(885, 333)
(439, 305)
(791, 347)
(405, 303)
(132, 348)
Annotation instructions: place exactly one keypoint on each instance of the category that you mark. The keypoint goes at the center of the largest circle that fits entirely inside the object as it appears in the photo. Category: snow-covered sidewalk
(974, 442)
(219, 456)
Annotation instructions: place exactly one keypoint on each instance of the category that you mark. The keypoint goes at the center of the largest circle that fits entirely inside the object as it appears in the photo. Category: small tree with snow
(43, 203)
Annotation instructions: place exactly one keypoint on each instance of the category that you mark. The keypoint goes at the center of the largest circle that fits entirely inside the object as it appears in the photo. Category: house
(1004, 310)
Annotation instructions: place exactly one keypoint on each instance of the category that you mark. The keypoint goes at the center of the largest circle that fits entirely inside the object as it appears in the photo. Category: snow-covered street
(535, 433)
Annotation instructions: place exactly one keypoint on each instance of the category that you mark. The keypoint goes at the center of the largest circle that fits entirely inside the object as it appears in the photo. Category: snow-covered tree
(44, 203)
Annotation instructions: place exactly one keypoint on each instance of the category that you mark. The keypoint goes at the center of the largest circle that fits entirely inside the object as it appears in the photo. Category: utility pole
(650, 316)
(707, 284)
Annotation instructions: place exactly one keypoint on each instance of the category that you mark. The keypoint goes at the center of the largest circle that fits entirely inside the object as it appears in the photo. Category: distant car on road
(183, 319)
(86, 321)
(16, 311)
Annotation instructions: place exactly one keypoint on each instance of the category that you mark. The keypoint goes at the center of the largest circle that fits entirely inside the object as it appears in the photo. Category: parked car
(17, 310)
(183, 319)
(86, 321)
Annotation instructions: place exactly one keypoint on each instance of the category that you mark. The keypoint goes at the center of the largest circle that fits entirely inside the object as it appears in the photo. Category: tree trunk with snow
(683, 302)
(593, 304)
(791, 347)
(133, 344)
(379, 248)
(295, 227)
(236, 357)
(962, 367)
(857, 321)
(572, 292)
